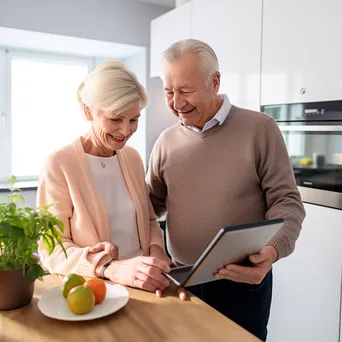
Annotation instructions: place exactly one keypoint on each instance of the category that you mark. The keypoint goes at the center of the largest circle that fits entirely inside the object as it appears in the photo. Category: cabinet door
(233, 29)
(167, 29)
(301, 51)
(307, 284)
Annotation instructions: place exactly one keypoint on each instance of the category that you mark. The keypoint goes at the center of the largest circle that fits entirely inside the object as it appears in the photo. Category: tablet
(231, 245)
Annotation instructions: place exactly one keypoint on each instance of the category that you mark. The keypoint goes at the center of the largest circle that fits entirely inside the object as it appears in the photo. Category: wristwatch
(104, 268)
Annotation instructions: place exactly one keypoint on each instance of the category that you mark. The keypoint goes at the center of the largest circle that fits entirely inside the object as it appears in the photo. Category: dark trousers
(245, 304)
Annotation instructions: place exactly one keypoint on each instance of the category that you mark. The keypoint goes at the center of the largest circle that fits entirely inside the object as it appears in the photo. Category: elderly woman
(98, 187)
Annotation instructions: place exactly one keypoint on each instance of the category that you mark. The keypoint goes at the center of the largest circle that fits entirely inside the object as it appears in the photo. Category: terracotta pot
(15, 290)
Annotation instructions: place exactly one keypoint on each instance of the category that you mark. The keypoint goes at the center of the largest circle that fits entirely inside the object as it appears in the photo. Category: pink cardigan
(66, 180)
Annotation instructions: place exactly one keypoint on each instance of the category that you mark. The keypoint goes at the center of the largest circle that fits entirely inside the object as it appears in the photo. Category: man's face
(187, 93)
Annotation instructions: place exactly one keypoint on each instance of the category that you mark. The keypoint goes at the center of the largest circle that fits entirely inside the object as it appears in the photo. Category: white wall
(120, 21)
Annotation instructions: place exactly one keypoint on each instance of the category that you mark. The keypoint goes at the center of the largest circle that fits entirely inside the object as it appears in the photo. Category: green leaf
(18, 197)
(60, 225)
(47, 207)
(19, 222)
(12, 180)
(58, 237)
(34, 272)
(30, 230)
(20, 230)
(17, 232)
(49, 243)
(12, 207)
(64, 251)
(5, 229)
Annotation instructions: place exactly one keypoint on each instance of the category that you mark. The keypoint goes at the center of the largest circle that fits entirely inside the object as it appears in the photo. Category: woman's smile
(117, 138)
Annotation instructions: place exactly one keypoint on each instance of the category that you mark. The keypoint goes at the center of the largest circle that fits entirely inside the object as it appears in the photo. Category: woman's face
(112, 131)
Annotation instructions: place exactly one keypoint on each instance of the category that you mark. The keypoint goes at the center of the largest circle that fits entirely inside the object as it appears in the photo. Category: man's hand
(262, 263)
(252, 275)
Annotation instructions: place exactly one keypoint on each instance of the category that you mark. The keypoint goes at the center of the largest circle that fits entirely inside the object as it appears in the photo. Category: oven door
(316, 155)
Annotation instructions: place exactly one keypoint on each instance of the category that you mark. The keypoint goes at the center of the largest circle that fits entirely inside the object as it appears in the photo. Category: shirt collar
(223, 112)
(219, 117)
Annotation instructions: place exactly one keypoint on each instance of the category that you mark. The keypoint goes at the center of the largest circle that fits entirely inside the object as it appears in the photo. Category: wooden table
(145, 318)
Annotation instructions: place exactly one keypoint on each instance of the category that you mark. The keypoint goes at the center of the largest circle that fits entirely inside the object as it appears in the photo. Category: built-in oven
(313, 136)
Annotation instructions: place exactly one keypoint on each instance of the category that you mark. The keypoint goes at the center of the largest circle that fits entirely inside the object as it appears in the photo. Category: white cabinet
(301, 51)
(167, 29)
(233, 29)
(307, 284)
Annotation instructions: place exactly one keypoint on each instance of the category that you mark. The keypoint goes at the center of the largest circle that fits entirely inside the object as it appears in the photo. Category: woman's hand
(142, 272)
(159, 253)
(112, 250)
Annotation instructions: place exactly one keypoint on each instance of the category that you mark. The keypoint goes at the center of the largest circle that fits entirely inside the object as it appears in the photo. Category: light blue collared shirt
(218, 118)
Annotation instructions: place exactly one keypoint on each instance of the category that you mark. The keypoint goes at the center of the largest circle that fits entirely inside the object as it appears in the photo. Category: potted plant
(20, 229)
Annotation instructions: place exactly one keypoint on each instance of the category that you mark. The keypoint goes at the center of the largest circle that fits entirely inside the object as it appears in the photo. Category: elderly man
(221, 165)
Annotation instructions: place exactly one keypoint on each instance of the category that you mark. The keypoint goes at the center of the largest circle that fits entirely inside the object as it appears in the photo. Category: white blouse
(110, 182)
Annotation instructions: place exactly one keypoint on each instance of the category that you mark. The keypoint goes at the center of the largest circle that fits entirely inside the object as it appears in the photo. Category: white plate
(52, 304)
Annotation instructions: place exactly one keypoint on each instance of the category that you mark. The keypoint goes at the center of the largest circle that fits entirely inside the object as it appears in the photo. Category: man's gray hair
(205, 53)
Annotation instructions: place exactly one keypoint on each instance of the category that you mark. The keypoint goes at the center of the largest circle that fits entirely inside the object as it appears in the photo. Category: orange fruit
(80, 300)
(98, 286)
(71, 281)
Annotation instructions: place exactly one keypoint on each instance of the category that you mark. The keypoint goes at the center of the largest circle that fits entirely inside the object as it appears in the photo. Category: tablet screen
(232, 244)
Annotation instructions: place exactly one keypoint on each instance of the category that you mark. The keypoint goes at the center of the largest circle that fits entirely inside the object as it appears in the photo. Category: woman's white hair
(111, 88)
(205, 53)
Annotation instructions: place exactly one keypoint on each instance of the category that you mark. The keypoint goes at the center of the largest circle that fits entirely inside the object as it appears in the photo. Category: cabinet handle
(303, 91)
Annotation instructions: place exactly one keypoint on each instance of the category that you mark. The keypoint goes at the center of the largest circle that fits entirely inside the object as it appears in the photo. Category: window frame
(6, 57)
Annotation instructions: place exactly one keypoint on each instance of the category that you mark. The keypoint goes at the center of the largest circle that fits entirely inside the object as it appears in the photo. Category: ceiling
(166, 3)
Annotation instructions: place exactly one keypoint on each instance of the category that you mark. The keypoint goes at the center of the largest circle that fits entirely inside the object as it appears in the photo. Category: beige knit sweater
(235, 173)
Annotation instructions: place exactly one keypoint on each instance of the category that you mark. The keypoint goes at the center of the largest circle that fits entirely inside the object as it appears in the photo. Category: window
(39, 109)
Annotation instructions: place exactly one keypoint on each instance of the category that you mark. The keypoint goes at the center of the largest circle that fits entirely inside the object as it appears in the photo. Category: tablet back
(232, 245)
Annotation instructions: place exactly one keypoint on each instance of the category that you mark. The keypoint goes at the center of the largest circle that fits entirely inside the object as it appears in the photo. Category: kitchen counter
(145, 318)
